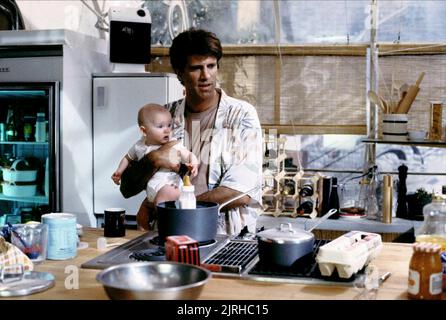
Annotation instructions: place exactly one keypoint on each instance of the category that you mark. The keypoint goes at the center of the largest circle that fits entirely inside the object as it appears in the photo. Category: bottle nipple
(186, 181)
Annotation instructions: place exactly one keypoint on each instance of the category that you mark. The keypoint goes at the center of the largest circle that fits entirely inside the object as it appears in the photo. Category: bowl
(155, 280)
(419, 135)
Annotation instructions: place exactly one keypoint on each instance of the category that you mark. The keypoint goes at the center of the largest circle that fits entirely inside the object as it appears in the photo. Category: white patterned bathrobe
(235, 159)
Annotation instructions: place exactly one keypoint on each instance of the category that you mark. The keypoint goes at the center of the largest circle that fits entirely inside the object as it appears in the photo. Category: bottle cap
(188, 188)
(186, 180)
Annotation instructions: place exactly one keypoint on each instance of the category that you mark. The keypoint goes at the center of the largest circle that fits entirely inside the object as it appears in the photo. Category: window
(303, 64)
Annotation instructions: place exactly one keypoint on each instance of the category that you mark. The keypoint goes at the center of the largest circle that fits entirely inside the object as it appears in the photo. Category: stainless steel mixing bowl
(156, 280)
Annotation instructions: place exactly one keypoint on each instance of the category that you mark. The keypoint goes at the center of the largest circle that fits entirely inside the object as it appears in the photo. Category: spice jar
(425, 272)
(433, 228)
(435, 120)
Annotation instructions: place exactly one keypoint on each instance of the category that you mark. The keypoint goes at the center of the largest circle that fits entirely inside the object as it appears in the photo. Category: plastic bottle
(425, 272)
(187, 198)
(27, 131)
(433, 228)
(40, 127)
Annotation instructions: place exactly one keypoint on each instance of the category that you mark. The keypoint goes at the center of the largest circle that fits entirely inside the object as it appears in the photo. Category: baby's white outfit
(163, 176)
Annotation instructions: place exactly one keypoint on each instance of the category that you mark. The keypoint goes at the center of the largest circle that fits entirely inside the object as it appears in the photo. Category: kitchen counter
(331, 229)
(75, 283)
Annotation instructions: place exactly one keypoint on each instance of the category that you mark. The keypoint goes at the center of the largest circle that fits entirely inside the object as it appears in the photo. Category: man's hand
(116, 177)
(145, 215)
(166, 157)
(193, 169)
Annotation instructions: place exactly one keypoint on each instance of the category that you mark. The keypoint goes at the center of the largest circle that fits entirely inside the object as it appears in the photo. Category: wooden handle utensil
(409, 97)
(376, 100)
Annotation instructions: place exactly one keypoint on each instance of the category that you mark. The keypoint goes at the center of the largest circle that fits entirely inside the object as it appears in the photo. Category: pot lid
(25, 283)
(285, 233)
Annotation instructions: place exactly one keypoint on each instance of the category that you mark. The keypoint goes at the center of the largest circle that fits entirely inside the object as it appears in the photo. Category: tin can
(62, 235)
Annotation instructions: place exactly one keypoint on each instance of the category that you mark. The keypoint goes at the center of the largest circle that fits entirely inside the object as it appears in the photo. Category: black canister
(333, 200)
(114, 222)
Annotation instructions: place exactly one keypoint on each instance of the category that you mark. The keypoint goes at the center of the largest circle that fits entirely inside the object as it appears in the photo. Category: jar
(425, 272)
(435, 119)
(62, 235)
(31, 239)
(433, 228)
(352, 199)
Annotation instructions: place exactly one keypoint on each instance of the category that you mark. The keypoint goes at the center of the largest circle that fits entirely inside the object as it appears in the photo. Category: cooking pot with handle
(283, 246)
(200, 224)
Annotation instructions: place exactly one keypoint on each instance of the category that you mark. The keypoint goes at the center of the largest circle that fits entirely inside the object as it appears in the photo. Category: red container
(182, 249)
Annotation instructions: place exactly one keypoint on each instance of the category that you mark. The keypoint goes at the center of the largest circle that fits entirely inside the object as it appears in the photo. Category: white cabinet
(116, 101)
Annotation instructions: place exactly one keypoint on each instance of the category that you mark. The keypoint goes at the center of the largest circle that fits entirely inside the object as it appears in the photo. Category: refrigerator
(46, 124)
(28, 135)
(117, 98)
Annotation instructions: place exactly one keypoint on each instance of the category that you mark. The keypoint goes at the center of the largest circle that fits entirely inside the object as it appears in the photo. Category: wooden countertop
(75, 283)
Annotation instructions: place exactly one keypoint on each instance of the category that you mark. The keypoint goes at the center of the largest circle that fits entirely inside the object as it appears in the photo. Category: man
(223, 132)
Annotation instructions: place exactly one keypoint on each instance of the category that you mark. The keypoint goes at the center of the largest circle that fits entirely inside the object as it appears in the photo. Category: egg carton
(348, 253)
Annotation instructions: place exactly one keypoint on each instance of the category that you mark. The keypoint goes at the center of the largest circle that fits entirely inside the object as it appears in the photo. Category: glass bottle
(425, 272)
(433, 228)
(305, 207)
(371, 205)
(40, 133)
(11, 130)
(288, 188)
(306, 190)
(333, 200)
(27, 131)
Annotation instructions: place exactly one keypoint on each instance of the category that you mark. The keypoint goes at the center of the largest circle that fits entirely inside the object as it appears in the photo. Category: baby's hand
(116, 177)
(193, 168)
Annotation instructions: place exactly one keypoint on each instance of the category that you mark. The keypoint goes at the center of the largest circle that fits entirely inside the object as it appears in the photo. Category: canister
(62, 236)
(435, 120)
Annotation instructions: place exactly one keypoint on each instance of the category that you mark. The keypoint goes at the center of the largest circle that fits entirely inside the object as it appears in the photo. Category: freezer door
(116, 102)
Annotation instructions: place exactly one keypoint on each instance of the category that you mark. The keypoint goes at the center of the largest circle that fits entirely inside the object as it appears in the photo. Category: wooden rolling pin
(409, 97)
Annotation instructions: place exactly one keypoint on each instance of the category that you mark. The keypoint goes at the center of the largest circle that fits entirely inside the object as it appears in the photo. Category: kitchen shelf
(24, 142)
(425, 143)
(35, 199)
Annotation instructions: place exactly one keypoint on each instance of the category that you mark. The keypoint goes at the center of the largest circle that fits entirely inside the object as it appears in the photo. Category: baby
(155, 124)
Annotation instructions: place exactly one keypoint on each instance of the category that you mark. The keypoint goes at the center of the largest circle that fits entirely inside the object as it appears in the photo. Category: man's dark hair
(193, 42)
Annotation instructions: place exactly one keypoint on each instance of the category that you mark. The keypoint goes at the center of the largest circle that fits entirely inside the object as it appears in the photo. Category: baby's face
(159, 128)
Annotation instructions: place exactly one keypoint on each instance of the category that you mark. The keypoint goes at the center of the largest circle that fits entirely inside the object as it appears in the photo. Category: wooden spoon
(376, 100)
(385, 104)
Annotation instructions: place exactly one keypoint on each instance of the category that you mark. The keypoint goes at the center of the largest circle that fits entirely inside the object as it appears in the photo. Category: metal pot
(283, 245)
(200, 224)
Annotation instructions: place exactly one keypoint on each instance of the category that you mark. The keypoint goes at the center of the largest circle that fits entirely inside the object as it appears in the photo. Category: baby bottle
(187, 198)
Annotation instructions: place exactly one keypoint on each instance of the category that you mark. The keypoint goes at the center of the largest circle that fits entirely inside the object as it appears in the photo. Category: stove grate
(234, 256)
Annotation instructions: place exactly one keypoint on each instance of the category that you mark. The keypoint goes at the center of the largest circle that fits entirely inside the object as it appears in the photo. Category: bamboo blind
(321, 89)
